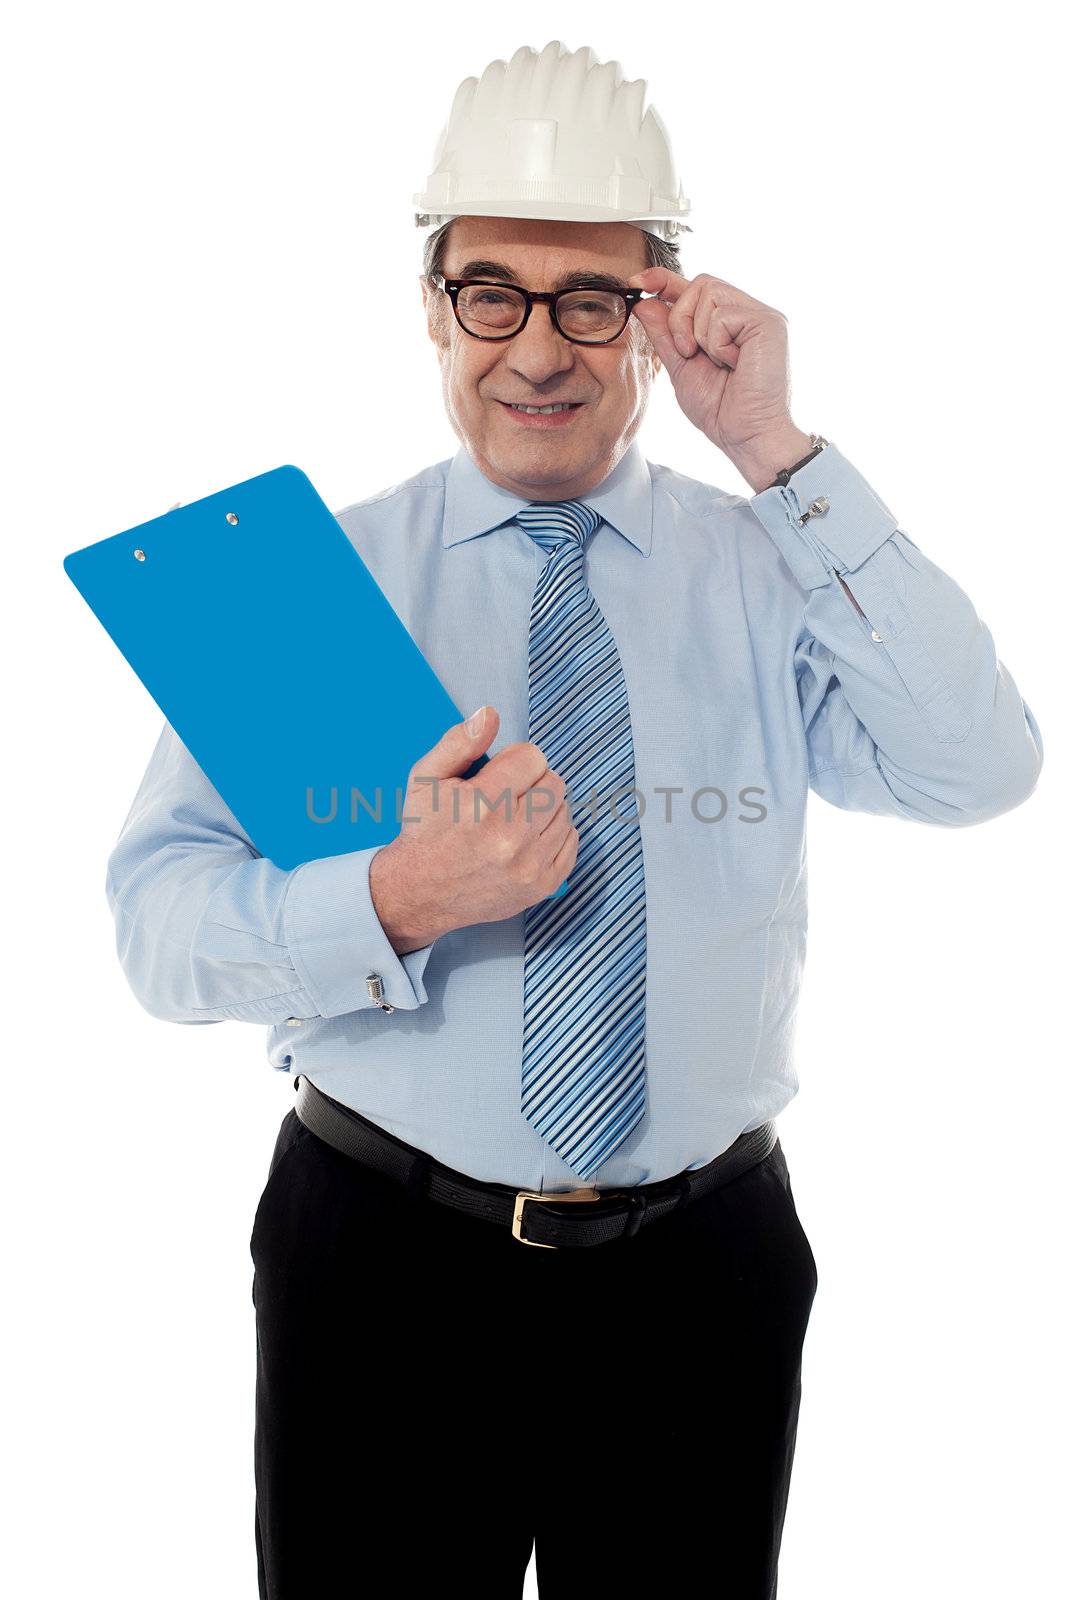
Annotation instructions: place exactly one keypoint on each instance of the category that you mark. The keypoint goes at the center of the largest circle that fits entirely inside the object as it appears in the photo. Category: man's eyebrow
(505, 274)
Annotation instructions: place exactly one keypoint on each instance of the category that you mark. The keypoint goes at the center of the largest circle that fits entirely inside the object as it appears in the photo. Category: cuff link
(375, 989)
(817, 508)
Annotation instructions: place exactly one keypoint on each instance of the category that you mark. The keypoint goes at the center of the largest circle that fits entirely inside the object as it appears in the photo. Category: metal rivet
(231, 516)
(139, 554)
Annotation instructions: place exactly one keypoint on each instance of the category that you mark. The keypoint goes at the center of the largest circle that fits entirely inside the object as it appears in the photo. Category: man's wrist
(759, 460)
(404, 923)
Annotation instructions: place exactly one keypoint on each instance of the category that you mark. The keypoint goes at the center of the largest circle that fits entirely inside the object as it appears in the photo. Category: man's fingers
(682, 317)
(668, 286)
(715, 328)
(654, 315)
(515, 768)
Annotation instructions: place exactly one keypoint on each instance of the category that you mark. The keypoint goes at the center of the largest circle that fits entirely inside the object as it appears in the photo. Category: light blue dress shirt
(752, 677)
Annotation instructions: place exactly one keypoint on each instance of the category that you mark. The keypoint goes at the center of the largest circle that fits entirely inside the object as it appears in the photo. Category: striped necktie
(582, 1074)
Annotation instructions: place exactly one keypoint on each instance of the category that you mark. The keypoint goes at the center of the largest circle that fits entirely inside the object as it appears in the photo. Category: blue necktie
(582, 1075)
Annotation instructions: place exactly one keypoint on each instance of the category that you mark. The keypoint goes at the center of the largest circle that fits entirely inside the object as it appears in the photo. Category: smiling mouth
(543, 411)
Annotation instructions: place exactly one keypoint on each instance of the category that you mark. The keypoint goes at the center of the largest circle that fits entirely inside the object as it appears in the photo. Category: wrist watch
(786, 473)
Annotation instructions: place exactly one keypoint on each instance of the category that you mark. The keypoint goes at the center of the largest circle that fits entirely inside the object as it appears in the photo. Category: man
(527, 1262)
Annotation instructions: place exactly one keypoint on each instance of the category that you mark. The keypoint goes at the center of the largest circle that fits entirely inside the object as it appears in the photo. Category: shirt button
(876, 636)
(294, 1022)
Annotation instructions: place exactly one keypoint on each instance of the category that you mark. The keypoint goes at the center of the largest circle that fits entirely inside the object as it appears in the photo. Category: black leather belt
(589, 1217)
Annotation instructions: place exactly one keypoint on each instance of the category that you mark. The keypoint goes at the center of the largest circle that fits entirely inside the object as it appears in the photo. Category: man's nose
(539, 349)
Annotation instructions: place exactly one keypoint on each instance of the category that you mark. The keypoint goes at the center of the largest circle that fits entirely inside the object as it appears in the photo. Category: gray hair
(660, 252)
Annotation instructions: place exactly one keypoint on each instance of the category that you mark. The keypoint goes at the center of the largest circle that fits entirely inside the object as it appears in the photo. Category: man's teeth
(542, 410)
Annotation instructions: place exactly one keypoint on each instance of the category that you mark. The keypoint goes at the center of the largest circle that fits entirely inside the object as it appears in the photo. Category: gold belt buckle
(551, 1199)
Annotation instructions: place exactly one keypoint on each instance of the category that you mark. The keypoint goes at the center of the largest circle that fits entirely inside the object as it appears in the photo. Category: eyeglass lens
(493, 311)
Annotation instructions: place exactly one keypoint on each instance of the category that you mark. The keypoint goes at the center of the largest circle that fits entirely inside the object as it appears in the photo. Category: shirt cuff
(335, 939)
(853, 524)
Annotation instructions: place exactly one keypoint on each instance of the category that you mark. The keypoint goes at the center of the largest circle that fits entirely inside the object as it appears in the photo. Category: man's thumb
(460, 745)
(474, 725)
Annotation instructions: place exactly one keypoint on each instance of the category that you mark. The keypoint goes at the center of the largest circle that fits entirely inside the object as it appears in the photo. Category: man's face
(538, 366)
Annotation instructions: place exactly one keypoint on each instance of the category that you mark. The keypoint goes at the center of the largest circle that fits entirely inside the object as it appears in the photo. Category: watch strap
(787, 473)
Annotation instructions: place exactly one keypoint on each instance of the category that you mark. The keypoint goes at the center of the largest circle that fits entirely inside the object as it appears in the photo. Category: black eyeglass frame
(547, 297)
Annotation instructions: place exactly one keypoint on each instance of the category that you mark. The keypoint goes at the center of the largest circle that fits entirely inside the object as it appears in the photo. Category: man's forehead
(520, 252)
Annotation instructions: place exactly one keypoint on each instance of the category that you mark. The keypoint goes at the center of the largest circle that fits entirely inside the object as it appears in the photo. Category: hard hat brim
(547, 211)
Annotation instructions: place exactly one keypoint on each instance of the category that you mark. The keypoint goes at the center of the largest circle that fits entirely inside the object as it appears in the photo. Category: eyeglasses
(488, 310)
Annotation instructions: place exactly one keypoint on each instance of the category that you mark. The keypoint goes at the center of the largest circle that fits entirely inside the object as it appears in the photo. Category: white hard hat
(558, 135)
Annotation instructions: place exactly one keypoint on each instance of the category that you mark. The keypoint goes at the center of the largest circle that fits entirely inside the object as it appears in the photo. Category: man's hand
(477, 849)
(726, 355)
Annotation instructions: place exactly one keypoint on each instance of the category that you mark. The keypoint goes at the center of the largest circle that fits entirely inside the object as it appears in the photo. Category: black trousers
(432, 1396)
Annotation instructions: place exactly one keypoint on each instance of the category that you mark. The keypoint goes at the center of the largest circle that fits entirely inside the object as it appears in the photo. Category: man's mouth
(539, 411)
(543, 419)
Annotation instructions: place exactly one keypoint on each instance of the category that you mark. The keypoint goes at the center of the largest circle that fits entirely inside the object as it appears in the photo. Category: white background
(212, 271)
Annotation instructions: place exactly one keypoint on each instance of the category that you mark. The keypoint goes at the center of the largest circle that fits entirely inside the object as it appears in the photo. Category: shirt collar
(473, 504)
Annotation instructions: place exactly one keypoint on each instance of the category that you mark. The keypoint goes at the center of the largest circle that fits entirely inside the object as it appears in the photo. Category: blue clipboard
(270, 648)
